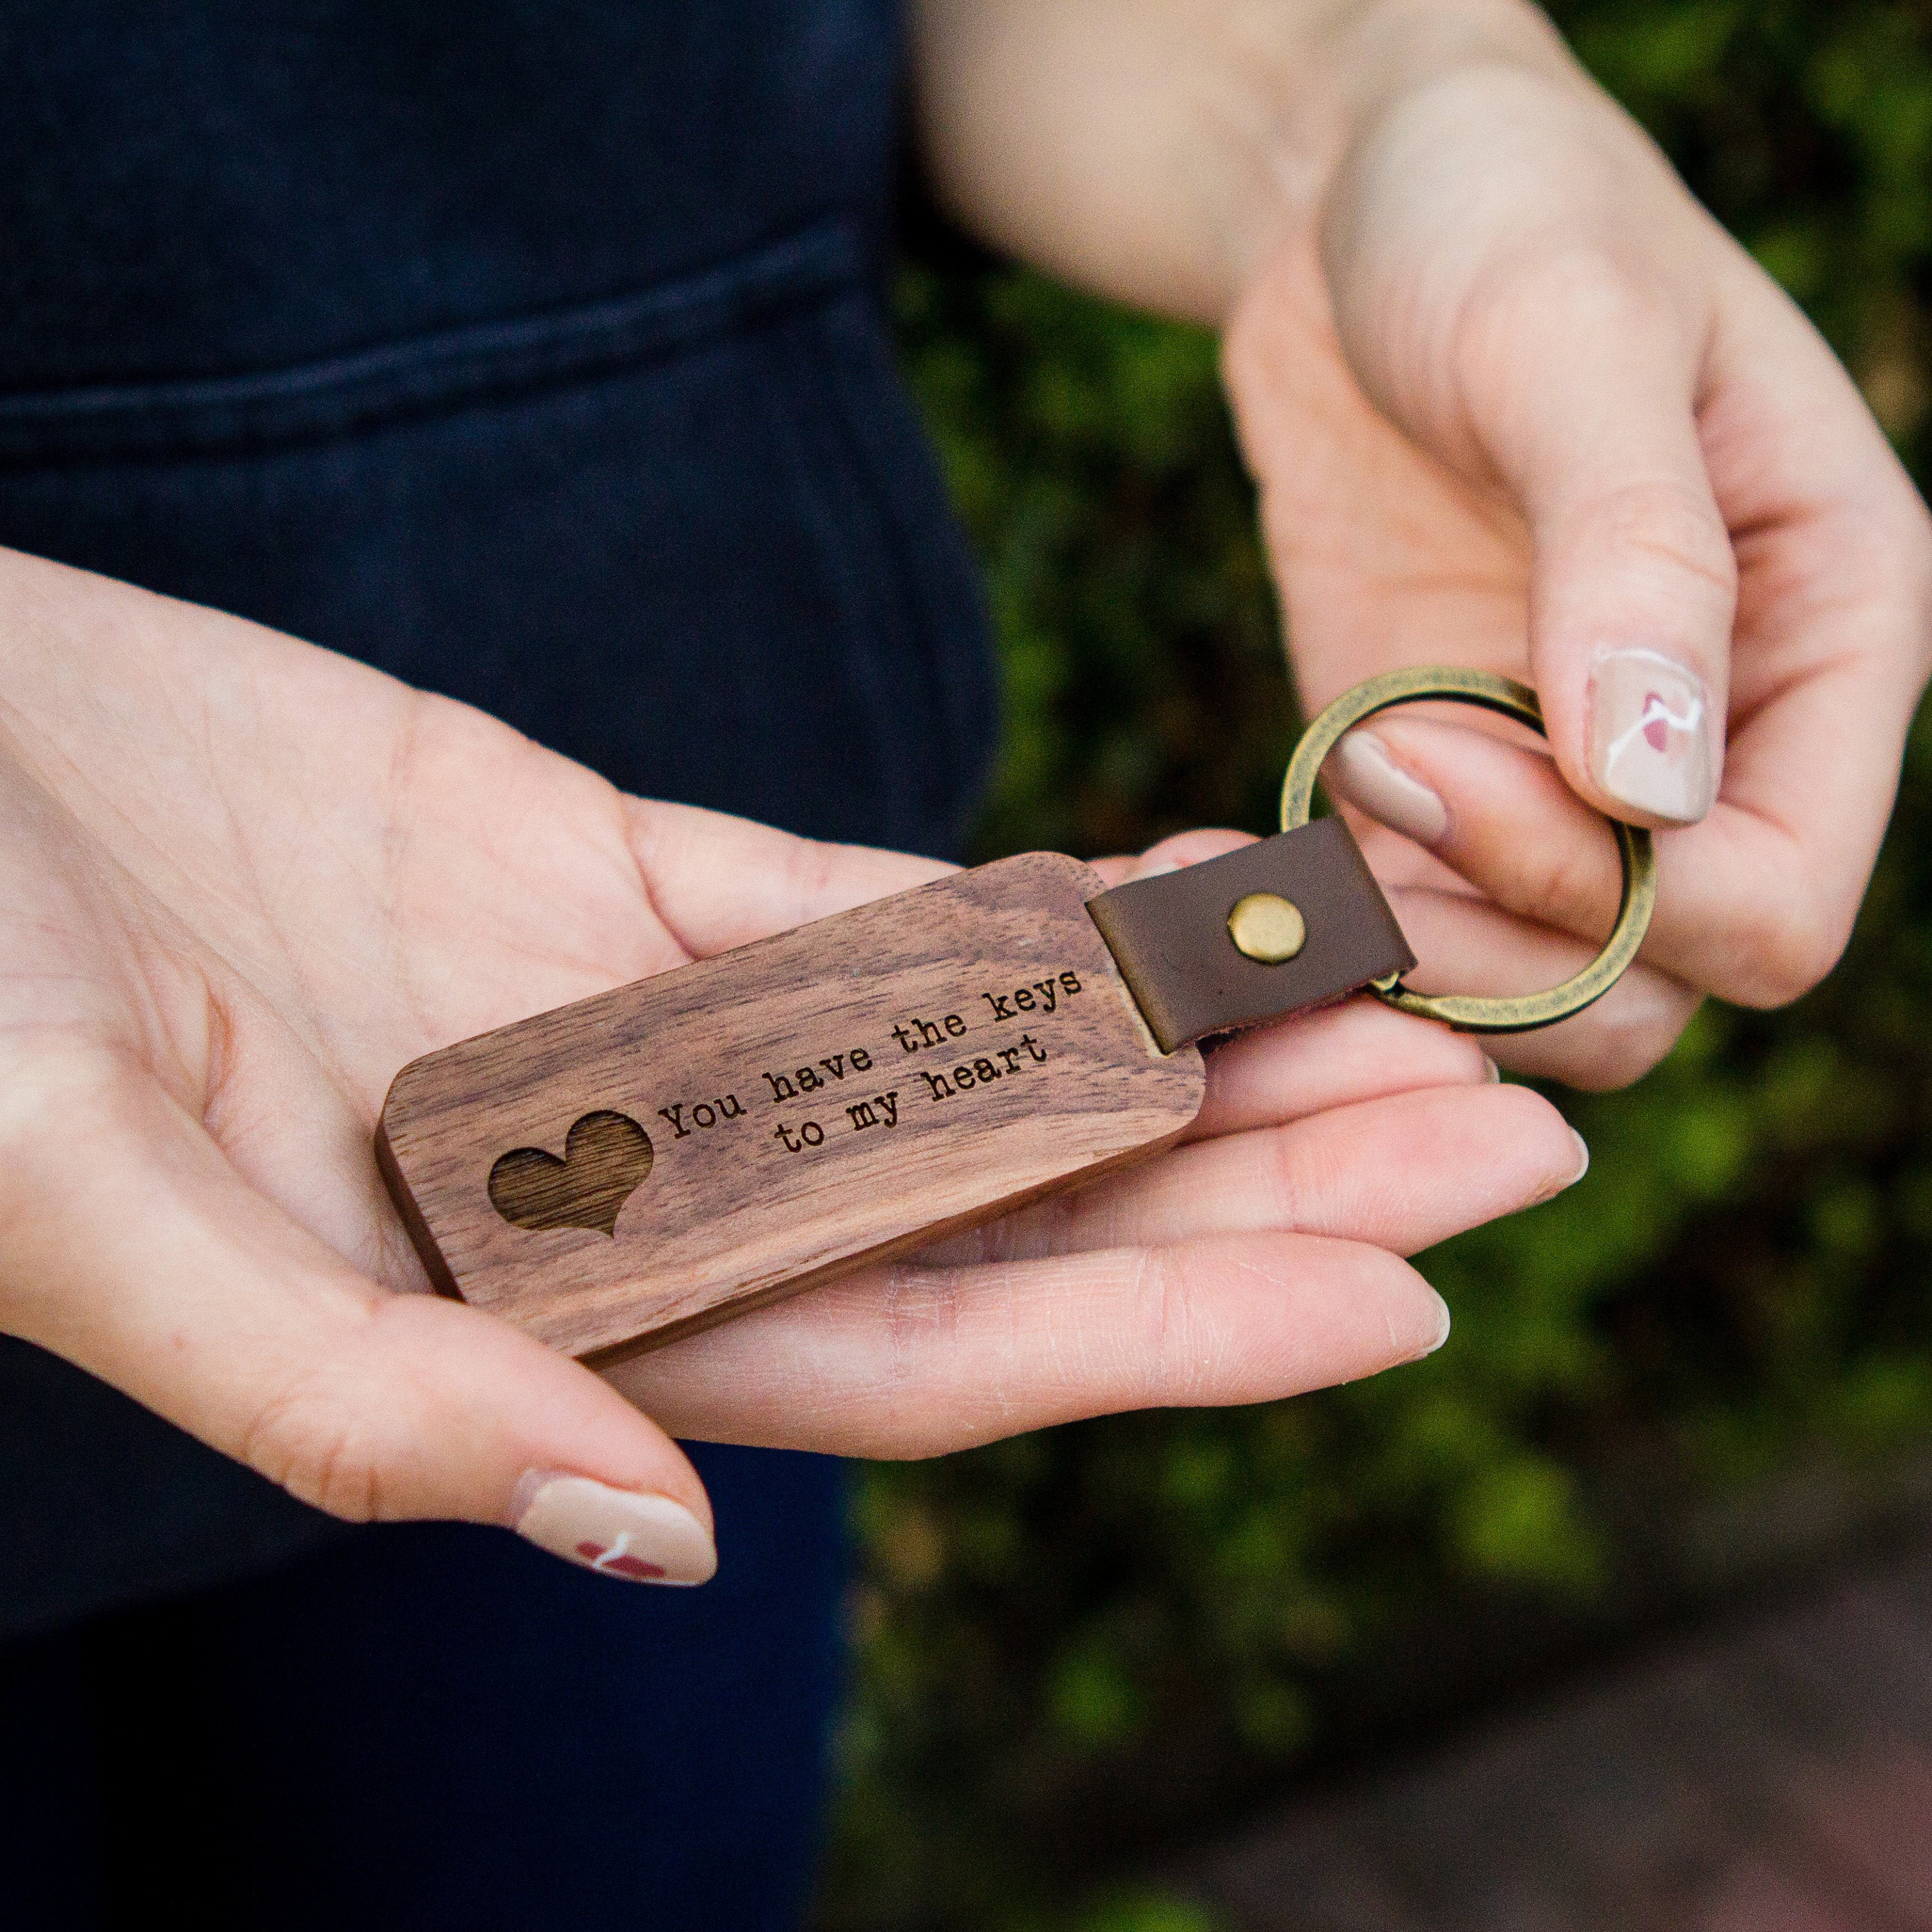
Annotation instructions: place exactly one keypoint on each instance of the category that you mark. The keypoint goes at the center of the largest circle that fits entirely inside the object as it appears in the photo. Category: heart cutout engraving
(606, 1158)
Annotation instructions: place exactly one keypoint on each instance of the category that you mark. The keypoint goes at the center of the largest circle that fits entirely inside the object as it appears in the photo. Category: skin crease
(1509, 395)
(244, 880)
(1512, 400)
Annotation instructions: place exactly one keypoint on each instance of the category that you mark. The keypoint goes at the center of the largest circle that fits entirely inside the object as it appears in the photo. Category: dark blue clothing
(534, 353)
(437, 1729)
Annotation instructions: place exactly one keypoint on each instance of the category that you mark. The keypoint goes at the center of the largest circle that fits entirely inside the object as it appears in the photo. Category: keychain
(657, 1158)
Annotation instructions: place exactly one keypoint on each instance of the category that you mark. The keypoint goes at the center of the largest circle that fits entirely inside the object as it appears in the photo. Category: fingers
(911, 1361)
(1210, 1289)
(1506, 822)
(1360, 1050)
(1467, 946)
(1403, 1172)
(1581, 386)
(1754, 904)
(146, 1260)
(1579, 357)
(1834, 623)
(717, 882)
(1181, 848)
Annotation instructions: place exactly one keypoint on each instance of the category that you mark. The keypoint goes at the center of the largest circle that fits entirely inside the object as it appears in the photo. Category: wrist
(1159, 151)
(1342, 75)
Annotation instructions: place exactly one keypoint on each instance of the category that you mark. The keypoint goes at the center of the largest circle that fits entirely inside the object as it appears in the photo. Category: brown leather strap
(1170, 938)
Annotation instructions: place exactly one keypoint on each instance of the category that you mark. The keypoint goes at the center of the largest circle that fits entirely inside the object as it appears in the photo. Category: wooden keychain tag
(651, 1159)
(656, 1159)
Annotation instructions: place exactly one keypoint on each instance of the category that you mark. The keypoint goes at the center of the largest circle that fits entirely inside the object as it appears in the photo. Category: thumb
(1591, 418)
(149, 1261)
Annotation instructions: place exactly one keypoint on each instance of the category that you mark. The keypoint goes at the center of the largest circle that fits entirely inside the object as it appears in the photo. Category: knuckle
(1165, 1320)
(1283, 1178)
(924, 1307)
(1620, 1055)
(1578, 277)
(305, 1438)
(1569, 881)
(1781, 951)
(1563, 290)
(1671, 524)
(1623, 1036)
(811, 868)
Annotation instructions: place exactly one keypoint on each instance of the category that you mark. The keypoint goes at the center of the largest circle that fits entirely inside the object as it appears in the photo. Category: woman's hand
(243, 881)
(1513, 400)
(1258, 1259)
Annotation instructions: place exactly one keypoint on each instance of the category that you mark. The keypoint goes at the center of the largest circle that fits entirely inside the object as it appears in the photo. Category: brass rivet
(1267, 927)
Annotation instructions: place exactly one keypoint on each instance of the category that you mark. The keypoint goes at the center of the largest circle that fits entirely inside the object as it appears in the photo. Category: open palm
(245, 880)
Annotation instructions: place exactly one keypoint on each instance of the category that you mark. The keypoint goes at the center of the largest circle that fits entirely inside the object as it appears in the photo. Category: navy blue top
(241, 185)
(533, 352)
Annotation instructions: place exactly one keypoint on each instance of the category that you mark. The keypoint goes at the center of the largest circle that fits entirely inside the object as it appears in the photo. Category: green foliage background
(1073, 1641)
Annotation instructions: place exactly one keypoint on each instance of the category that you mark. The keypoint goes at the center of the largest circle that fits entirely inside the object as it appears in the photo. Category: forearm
(1157, 150)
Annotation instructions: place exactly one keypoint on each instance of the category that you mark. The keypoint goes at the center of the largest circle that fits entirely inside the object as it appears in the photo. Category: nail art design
(1651, 736)
(644, 1538)
(619, 1562)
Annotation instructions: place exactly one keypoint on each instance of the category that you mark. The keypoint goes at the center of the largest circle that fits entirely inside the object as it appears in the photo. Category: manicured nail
(1569, 1180)
(1495, 1073)
(1651, 736)
(1360, 770)
(1442, 1331)
(648, 1539)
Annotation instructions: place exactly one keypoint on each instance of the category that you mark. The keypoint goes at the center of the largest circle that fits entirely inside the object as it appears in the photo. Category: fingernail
(1651, 727)
(1495, 1073)
(1360, 770)
(1442, 1331)
(648, 1539)
(1569, 1180)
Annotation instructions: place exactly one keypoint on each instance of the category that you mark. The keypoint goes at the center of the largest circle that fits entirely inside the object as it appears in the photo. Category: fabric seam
(431, 374)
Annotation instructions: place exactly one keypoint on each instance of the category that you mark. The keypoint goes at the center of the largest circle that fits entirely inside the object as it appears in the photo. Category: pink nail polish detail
(620, 1563)
(643, 1537)
(1653, 742)
(1360, 770)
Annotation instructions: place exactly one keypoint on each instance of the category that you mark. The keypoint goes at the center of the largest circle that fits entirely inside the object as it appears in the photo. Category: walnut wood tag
(649, 1161)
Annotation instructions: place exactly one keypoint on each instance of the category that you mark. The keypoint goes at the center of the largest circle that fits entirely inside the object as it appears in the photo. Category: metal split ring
(1467, 1013)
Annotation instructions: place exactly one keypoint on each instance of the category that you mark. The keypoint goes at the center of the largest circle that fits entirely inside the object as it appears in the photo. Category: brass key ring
(1466, 1013)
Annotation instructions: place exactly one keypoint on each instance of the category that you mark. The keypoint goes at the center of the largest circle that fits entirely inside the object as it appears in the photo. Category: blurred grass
(1067, 1640)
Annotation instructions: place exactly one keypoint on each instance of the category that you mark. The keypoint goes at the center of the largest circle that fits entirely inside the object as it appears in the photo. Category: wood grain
(769, 1119)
